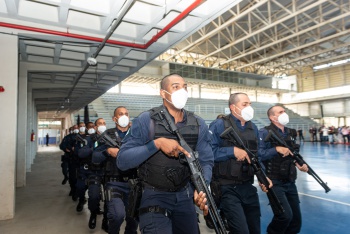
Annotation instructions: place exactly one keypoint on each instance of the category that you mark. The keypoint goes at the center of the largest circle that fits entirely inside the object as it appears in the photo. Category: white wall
(8, 120)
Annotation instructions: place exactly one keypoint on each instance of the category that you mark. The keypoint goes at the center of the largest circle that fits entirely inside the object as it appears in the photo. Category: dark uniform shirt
(101, 153)
(138, 145)
(266, 151)
(216, 128)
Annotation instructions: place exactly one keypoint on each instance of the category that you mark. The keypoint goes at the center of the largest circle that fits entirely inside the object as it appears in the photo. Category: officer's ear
(162, 93)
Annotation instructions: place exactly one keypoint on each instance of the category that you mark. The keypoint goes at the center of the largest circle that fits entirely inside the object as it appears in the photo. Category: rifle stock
(196, 174)
(297, 159)
(232, 135)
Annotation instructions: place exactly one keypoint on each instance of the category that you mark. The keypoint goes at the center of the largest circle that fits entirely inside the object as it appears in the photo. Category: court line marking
(325, 199)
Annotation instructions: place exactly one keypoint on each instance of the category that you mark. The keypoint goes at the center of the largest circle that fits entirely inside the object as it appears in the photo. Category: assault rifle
(297, 158)
(79, 138)
(231, 135)
(105, 138)
(196, 173)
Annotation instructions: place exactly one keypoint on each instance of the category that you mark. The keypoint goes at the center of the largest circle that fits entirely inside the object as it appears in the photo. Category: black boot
(64, 181)
(92, 221)
(80, 206)
(105, 225)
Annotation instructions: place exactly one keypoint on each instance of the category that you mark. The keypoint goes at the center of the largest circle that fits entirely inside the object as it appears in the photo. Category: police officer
(167, 199)
(68, 145)
(232, 170)
(83, 150)
(95, 179)
(65, 157)
(280, 168)
(117, 186)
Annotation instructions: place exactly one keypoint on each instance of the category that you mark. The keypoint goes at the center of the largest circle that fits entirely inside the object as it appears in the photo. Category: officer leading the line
(167, 200)
(232, 170)
(280, 168)
(117, 186)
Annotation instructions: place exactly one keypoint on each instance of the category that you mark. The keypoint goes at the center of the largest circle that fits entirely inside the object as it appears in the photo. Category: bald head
(235, 98)
(165, 81)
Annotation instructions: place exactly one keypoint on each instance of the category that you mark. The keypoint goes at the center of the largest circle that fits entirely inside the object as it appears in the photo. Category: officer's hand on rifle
(240, 154)
(201, 201)
(113, 152)
(263, 187)
(284, 151)
(170, 147)
(303, 168)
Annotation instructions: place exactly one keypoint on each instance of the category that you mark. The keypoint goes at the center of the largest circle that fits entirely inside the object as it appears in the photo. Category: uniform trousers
(94, 192)
(65, 165)
(182, 218)
(81, 186)
(290, 221)
(240, 204)
(73, 167)
(116, 209)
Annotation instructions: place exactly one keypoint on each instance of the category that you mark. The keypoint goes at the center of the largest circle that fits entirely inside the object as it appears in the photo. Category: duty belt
(146, 185)
(118, 179)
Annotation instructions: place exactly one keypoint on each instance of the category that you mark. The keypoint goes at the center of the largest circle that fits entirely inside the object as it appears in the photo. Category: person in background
(47, 139)
(300, 134)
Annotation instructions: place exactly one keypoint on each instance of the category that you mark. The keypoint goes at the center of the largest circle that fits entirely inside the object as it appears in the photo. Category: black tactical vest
(110, 165)
(232, 171)
(282, 168)
(161, 171)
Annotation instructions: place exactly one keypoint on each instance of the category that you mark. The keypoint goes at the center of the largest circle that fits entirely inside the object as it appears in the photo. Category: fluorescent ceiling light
(331, 64)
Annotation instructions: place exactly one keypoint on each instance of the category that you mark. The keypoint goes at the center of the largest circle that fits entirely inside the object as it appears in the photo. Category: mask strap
(236, 112)
(169, 94)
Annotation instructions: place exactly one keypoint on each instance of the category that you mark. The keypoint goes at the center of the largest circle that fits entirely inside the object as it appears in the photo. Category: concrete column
(8, 118)
(199, 91)
(35, 124)
(30, 146)
(23, 133)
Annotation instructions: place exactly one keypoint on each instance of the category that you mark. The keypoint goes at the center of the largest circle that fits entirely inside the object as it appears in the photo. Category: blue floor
(322, 212)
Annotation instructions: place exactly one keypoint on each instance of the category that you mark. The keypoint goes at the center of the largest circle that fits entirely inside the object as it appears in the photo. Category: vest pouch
(174, 175)
(108, 167)
(236, 169)
(223, 168)
(293, 173)
(285, 168)
(250, 170)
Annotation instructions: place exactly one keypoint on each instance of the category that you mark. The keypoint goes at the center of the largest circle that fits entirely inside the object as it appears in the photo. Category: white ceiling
(266, 37)
(56, 37)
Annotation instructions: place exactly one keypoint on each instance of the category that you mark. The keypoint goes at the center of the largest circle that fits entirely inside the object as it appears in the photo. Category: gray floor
(43, 206)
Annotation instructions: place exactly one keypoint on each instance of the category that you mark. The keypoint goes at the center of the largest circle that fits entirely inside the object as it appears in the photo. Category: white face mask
(123, 121)
(76, 131)
(283, 119)
(71, 132)
(247, 113)
(82, 129)
(101, 128)
(91, 131)
(178, 98)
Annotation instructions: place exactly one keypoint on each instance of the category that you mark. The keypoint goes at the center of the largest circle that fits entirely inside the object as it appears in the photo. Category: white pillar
(199, 91)
(23, 133)
(30, 126)
(8, 118)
